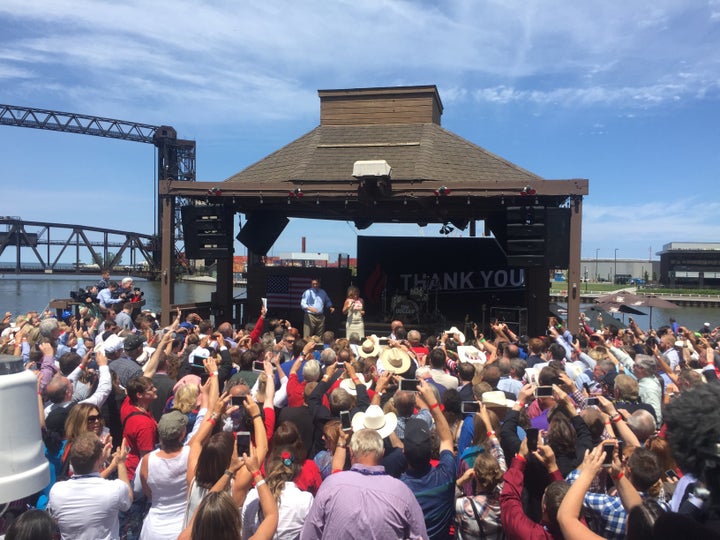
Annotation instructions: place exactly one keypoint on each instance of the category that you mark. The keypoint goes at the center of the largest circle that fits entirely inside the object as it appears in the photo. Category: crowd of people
(198, 431)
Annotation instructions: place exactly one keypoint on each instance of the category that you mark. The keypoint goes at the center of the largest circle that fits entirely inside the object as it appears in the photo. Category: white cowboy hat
(374, 418)
(454, 331)
(349, 385)
(497, 398)
(396, 360)
(369, 349)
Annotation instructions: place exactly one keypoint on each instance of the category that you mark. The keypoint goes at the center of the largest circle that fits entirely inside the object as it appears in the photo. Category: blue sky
(624, 94)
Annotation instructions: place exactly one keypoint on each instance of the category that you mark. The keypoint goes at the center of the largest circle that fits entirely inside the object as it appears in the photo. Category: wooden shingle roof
(416, 152)
(400, 125)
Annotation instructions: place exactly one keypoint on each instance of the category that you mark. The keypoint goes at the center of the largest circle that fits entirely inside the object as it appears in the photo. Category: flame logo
(374, 285)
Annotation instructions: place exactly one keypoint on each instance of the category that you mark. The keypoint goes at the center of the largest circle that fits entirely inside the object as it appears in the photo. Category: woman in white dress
(354, 309)
(163, 477)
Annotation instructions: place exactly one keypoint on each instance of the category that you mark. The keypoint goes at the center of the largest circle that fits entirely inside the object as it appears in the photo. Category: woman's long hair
(214, 459)
(480, 430)
(286, 435)
(76, 422)
(487, 473)
(561, 433)
(217, 518)
(281, 466)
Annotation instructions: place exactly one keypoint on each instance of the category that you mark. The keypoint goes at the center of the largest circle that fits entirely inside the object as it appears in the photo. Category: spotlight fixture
(295, 193)
(527, 190)
(442, 191)
(214, 192)
(446, 229)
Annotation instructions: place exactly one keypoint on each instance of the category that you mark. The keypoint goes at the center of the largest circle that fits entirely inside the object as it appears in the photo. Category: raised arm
(243, 477)
(120, 458)
(47, 368)
(618, 422)
(268, 526)
(340, 454)
(104, 386)
(257, 330)
(569, 512)
(380, 387)
(269, 386)
(203, 434)
(151, 365)
(362, 399)
(664, 365)
(627, 492)
(441, 425)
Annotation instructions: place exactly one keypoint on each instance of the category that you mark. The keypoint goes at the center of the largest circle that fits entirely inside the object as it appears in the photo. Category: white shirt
(446, 380)
(98, 398)
(86, 507)
(293, 509)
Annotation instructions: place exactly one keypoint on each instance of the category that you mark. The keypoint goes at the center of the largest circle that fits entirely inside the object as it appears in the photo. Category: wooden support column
(574, 283)
(167, 262)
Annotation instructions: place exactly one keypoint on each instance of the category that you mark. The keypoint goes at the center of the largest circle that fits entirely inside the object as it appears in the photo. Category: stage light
(527, 190)
(295, 194)
(446, 229)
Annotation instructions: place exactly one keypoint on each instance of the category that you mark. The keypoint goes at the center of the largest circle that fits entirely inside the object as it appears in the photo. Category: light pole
(615, 266)
(597, 251)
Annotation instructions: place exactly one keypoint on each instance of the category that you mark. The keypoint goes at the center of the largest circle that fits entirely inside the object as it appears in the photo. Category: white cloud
(260, 60)
(12, 72)
(714, 7)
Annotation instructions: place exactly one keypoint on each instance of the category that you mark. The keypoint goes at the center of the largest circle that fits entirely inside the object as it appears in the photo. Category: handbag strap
(477, 518)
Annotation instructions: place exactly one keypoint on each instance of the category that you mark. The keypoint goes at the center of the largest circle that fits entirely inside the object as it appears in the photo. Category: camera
(83, 295)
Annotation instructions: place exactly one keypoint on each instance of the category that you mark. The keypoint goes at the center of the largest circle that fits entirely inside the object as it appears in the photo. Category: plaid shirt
(609, 510)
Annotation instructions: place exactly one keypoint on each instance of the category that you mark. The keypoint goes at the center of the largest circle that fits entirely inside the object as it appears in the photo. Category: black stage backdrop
(419, 279)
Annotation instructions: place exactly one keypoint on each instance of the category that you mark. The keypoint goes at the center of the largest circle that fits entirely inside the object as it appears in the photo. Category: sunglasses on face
(93, 418)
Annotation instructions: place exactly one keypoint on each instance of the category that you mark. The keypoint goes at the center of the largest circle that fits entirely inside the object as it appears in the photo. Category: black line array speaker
(525, 235)
(260, 231)
(537, 236)
(207, 231)
(557, 237)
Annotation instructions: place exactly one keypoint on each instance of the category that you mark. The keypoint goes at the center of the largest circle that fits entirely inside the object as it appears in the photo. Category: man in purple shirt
(390, 509)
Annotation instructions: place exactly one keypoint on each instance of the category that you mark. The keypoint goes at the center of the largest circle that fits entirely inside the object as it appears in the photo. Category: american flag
(286, 291)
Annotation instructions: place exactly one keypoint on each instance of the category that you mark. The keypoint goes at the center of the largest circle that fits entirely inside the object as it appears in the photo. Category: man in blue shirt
(433, 487)
(105, 296)
(313, 303)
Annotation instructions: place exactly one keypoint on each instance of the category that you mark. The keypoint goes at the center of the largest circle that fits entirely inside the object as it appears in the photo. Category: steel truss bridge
(175, 162)
(39, 247)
